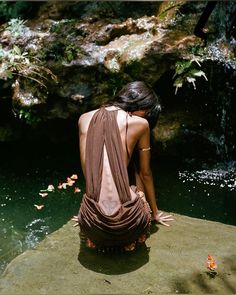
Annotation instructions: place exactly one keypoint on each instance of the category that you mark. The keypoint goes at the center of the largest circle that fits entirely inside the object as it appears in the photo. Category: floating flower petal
(70, 182)
(77, 190)
(60, 186)
(43, 195)
(74, 176)
(50, 188)
(39, 207)
(64, 185)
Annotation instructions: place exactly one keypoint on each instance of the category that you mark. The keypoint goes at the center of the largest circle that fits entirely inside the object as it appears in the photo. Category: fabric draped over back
(133, 217)
(103, 130)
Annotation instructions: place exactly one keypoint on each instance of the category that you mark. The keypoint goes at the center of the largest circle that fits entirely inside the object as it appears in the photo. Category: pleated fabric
(133, 217)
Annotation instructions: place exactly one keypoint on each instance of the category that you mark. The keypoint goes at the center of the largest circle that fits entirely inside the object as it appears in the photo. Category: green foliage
(63, 48)
(186, 71)
(133, 68)
(64, 25)
(53, 51)
(16, 27)
(196, 49)
(29, 117)
(15, 9)
(14, 63)
(71, 53)
(62, 51)
(24, 69)
(17, 65)
(116, 82)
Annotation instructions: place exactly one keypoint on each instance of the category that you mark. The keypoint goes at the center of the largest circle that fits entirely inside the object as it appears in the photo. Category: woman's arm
(144, 177)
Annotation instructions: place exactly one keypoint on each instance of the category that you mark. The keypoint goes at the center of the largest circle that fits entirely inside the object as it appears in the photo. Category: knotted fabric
(133, 217)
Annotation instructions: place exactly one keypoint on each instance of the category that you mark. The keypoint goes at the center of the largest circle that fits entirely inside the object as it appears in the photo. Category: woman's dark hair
(136, 96)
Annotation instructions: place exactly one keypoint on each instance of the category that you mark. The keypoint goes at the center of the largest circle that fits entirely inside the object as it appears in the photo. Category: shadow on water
(204, 283)
(116, 262)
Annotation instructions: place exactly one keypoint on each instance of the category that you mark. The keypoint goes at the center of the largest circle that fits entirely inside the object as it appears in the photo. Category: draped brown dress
(100, 224)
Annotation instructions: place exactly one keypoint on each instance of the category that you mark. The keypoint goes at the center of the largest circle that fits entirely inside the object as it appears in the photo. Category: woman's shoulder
(139, 121)
(132, 119)
(84, 119)
(86, 116)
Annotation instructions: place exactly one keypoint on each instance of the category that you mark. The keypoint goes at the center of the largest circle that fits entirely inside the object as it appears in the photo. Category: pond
(26, 171)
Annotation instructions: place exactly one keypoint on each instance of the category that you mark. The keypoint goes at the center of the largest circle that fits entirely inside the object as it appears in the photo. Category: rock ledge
(172, 261)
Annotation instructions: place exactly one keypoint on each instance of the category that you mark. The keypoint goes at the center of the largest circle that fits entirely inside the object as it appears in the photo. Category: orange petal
(60, 186)
(70, 182)
(74, 176)
(77, 190)
(211, 263)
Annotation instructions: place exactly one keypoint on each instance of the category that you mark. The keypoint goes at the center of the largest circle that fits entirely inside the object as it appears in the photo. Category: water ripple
(223, 175)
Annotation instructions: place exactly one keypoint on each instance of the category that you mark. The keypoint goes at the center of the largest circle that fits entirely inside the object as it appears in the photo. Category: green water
(207, 192)
(198, 190)
(24, 171)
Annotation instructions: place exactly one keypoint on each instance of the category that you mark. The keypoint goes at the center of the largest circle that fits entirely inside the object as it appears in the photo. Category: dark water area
(25, 170)
(200, 190)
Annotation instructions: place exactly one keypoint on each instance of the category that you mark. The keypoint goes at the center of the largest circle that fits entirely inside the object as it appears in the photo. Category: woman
(113, 212)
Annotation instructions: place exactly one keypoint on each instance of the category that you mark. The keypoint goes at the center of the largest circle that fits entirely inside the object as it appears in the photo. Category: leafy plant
(16, 27)
(29, 117)
(13, 62)
(70, 53)
(134, 68)
(186, 71)
(14, 9)
(196, 49)
(116, 81)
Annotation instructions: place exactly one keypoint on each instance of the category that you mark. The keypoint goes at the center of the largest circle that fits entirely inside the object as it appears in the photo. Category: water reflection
(222, 175)
(207, 192)
(36, 229)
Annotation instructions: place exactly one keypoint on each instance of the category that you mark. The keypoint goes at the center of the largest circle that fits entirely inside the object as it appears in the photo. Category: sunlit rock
(94, 48)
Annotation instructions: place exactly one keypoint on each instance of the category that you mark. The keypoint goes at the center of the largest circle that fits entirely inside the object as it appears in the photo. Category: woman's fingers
(163, 223)
(163, 219)
(167, 216)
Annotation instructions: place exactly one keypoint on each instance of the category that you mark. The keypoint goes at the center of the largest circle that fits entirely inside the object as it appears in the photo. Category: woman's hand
(161, 218)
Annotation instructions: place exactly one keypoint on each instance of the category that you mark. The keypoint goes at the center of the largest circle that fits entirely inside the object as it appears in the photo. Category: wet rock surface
(173, 260)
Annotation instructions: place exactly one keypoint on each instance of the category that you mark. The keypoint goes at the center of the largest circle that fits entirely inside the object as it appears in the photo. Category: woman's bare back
(131, 128)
